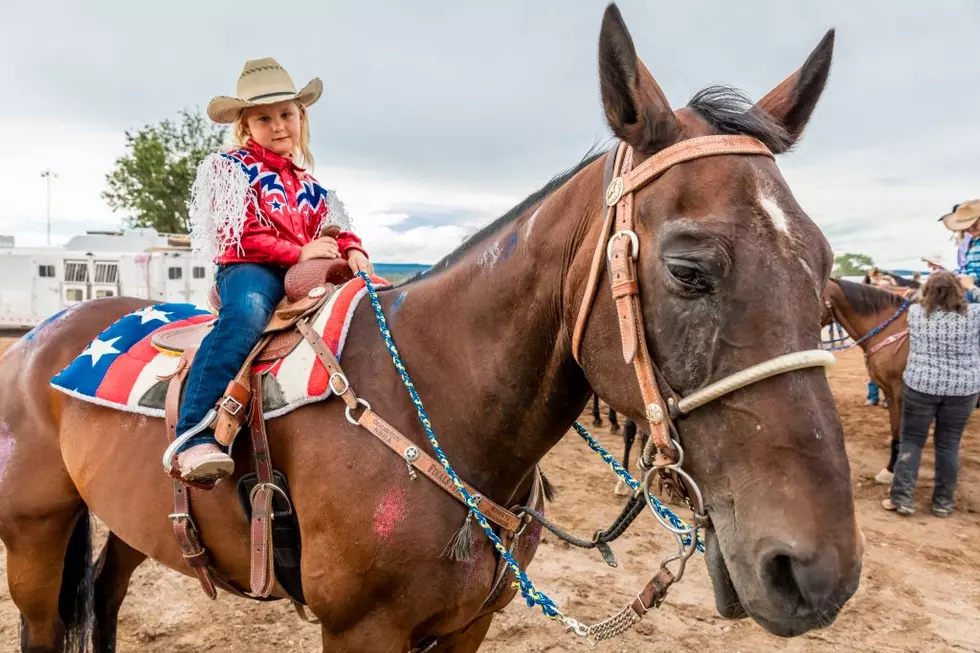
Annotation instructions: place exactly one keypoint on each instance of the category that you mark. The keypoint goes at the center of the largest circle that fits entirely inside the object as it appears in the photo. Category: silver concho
(412, 453)
(316, 291)
(614, 192)
(655, 414)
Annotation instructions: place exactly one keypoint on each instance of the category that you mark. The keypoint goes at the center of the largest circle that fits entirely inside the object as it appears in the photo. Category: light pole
(47, 175)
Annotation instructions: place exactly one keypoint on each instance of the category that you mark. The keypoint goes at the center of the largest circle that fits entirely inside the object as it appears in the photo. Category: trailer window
(199, 272)
(76, 271)
(45, 271)
(74, 294)
(106, 272)
(175, 274)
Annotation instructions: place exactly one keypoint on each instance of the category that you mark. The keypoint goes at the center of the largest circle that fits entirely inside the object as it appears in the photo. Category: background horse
(597, 415)
(859, 309)
(729, 269)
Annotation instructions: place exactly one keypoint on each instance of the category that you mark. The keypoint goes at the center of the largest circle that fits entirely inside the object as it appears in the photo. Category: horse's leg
(115, 567)
(884, 477)
(596, 415)
(465, 641)
(49, 573)
(629, 435)
(613, 421)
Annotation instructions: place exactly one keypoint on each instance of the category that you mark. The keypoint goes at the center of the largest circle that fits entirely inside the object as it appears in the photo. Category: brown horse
(860, 309)
(730, 270)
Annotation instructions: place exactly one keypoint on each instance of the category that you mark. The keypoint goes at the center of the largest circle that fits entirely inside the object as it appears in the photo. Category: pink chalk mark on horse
(390, 511)
(6, 448)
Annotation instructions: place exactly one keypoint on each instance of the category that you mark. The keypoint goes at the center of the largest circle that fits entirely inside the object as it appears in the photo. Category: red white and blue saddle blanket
(122, 369)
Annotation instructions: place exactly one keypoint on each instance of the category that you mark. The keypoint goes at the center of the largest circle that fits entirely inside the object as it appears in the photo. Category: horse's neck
(858, 326)
(486, 345)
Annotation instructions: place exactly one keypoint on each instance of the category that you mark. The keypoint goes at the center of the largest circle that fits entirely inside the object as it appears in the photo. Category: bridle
(621, 249)
(873, 349)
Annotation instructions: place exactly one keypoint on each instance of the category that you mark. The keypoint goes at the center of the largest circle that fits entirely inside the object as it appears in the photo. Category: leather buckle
(223, 405)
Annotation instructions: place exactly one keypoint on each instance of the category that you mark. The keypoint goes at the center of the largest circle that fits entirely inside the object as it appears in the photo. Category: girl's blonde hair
(302, 154)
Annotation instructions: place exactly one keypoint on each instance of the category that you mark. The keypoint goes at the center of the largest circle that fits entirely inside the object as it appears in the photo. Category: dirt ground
(920, 589)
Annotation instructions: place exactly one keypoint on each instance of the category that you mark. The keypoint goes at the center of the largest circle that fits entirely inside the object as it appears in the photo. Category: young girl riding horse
(258, 212)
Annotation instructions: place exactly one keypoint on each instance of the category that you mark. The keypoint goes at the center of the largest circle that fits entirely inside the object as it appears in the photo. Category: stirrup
(170, 453)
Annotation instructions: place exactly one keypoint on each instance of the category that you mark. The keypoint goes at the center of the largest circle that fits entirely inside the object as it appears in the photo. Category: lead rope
(615, 625)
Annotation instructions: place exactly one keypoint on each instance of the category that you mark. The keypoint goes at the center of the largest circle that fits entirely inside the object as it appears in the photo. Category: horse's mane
(730, 111)
(902, 281)
(865, 299)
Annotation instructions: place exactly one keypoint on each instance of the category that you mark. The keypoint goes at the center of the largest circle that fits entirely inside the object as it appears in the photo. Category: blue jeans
(919, 410)
(873, 392)
(249, 294)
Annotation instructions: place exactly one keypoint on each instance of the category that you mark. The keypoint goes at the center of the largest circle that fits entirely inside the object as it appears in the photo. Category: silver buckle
(231, 400)
(634, 243)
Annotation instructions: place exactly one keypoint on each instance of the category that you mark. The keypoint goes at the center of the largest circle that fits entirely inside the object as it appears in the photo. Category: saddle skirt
(126, 368)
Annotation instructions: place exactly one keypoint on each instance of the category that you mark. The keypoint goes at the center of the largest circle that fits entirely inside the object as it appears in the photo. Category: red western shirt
(293, 208)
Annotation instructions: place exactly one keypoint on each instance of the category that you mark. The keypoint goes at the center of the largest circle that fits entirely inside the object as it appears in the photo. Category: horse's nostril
(779, 575)
(801, 584)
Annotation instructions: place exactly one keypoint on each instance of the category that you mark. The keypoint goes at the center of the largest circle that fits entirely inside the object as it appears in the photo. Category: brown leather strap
(613, 161)
(622, 181)
(388, 434)
(262, 578)
(689, 150)
(234, 403)
(183, 524)
(336, 375)
(433, 469)
(654, 593)
(895, 337)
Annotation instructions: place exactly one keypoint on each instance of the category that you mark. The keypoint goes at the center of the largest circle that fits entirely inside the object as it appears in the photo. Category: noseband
(621, 250)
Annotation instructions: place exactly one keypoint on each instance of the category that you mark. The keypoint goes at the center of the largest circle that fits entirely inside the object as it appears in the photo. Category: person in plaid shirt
(964, 220)
(256, 212)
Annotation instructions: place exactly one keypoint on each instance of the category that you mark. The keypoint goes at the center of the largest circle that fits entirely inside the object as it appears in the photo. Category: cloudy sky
(439, 116)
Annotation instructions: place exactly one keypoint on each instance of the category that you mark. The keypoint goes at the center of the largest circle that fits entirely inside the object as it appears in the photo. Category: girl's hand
(359, 262)
(320, 248)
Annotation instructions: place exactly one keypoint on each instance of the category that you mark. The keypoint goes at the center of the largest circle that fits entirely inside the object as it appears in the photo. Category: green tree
(152, 181)
(852, 265)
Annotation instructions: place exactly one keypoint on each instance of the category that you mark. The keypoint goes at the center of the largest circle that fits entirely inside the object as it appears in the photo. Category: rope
(531, 594)
(634, 485)
(878, 329)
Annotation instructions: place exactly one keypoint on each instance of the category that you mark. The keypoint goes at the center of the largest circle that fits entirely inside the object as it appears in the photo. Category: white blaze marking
(775, 213)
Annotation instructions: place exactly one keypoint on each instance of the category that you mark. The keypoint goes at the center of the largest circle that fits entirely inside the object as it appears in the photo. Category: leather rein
(621, 249)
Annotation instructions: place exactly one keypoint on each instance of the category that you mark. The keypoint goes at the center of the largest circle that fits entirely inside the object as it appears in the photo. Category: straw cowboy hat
(962, 216)
(263, 81)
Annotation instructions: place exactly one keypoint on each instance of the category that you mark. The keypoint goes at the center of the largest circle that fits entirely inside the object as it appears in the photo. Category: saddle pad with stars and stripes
(122, 369)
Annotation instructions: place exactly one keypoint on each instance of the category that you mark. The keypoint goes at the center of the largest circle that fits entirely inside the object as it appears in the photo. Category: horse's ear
(793, 101)
(636, 108)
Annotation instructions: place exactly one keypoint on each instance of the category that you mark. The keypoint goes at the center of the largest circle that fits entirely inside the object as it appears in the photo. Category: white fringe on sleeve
(218, 205)
(336, 213)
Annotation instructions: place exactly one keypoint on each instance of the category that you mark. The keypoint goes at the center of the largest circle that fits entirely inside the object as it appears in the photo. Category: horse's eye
(688, 276)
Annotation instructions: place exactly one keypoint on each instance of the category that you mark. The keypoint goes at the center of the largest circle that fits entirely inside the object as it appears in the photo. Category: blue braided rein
(878, 329)
(531, 594)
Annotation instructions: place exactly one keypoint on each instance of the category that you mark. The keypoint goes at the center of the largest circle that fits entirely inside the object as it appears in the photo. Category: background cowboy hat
(962, 216)
(263, 81)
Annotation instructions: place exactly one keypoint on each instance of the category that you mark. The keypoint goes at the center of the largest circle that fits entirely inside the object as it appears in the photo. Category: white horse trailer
(36, 283)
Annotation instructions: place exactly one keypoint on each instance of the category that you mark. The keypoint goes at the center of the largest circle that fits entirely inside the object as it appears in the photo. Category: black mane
(867, 300)
(729, 111)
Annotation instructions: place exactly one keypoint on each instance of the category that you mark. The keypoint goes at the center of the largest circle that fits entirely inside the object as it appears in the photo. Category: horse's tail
(75, 603)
